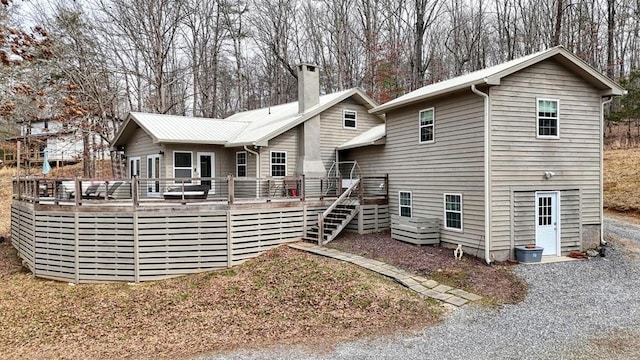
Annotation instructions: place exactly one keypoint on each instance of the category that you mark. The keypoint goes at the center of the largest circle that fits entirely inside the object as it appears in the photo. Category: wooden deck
(137, 238)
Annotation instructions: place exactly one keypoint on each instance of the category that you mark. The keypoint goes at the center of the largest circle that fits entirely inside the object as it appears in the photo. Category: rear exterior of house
(560, 211)
(281, 141)
(525, 169)
(422, 171)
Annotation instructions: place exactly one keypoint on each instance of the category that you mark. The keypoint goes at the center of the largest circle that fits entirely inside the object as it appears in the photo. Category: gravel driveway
(574, 310)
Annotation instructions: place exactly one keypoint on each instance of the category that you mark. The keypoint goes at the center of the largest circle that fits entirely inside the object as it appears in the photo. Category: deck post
(78, 191)
(36, 195)
(302, 188)
(76, 247)
(361, 191)
(229, 240)
(135, 193)
(320, 229)
(136, 248)
(230, 186)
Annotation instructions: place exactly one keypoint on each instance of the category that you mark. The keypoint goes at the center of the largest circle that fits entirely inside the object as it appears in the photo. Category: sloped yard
(283, 297)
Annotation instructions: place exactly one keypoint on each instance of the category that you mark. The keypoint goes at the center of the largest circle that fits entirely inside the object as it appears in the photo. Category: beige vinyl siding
(288, 142)
(524, 219)
(332, 133)
(141, 145)
(251, 162)
(519, 159)
(454, 163)
(225, 158)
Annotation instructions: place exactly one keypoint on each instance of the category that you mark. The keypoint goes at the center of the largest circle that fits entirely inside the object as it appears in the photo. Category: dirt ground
(284, 297)
(496, 283)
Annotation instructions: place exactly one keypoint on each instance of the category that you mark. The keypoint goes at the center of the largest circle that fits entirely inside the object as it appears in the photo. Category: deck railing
(229, 190)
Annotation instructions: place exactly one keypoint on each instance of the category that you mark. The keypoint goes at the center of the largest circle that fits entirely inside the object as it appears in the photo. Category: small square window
(350, 119)
(453, 211)
(278, 163)
(405, 203)
(426, 125)
(548, 118)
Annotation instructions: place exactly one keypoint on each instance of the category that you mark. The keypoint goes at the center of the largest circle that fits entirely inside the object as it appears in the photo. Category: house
(506, 156)
(44, 135)
(298, 138)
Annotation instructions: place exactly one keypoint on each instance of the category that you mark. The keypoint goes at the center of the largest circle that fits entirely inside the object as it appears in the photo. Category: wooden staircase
(333, 220)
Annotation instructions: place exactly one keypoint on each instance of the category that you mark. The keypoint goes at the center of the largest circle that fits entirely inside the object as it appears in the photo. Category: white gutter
(602, 104)
(487, 174)
(257, 169)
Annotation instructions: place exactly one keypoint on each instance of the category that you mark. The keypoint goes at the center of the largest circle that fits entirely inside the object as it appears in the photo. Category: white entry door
(153, 172)
(206, 169)
(548, 222)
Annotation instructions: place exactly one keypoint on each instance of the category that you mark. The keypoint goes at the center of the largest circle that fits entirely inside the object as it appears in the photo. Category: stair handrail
(323, 215)
(344, 195)
(353, 168)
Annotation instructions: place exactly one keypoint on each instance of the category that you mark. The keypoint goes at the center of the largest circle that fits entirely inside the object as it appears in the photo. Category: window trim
(271, 163)
(173, 160)
(246, 162)
(344, 119)
(445, 211)
(400, 206)
(538, 136)
(432, 125)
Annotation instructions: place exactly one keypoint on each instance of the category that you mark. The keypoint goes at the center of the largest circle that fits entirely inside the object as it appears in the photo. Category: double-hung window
(182, 164)
(241, 164)
(548, 111)
(426, 125)
(453, 211)
(278, 163)
(405, 203)
(349, 119)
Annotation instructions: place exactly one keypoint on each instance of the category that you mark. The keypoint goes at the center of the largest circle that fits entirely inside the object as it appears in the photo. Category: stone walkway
(419, 284)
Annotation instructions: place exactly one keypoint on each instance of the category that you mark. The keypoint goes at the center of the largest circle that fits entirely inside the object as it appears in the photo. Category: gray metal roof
(493, 75)
(185, 129)
(254, 127)
(269, 122)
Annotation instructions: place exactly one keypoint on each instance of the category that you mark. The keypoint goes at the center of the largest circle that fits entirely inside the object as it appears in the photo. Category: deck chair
(109, 193)
(89, 192)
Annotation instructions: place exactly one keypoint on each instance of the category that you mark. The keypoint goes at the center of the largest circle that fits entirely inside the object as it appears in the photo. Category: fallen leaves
(283, 297)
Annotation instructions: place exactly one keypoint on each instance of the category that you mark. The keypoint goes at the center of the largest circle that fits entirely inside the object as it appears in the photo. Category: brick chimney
(308, 87)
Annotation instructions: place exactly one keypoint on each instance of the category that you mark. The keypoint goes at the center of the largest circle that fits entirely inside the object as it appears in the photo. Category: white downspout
(602, 104)
(487, 173)
(257, 169)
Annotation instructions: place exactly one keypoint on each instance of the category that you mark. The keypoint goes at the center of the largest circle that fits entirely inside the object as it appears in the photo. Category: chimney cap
(310, 66)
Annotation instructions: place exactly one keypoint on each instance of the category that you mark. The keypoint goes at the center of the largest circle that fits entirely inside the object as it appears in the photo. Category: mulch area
(497, 283)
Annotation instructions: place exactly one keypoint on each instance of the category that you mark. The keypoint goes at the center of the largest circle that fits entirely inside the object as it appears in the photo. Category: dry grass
(622, 180)
(283, 297)
(5, 199)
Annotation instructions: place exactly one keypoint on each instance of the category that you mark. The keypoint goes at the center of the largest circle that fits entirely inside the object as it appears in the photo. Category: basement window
(405, 203)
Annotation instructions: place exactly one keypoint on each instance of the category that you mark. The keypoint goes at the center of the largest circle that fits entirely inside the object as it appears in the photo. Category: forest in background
(88, 63)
